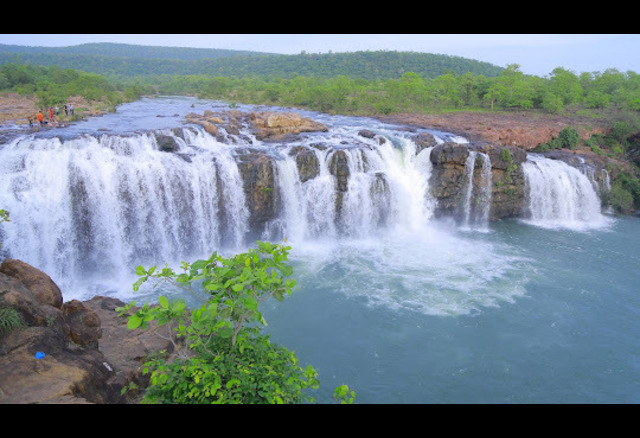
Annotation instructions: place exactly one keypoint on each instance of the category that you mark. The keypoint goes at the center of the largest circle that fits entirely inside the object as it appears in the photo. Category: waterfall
(98, 207)
(387, 187)
(560, 196)
(95, 207)
(87, 210)
(477, 197)
(307, 208)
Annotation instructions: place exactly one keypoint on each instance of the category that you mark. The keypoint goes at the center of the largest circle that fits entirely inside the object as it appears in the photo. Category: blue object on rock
(39, 355)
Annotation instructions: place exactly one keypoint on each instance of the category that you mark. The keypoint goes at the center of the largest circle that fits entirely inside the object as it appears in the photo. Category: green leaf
(178, 306)
(164, 302)
(140, 270)
(134, 322)
(286, 270)
(212, 286)
(137, 284)
(199, 264)
(237, 287)
(232, 382)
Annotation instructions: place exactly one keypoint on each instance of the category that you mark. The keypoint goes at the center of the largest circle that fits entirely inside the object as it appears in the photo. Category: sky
(536, 54)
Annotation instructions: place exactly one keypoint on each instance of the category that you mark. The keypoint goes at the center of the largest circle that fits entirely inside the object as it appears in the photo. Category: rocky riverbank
(524, 129)
(17, 112)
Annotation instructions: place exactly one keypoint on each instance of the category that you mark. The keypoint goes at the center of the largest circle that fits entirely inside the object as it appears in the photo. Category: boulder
(84, 324)
(424, 140)
(306, 162)
(275, 126)
(366, 133)
(166, 143)
(35, 280)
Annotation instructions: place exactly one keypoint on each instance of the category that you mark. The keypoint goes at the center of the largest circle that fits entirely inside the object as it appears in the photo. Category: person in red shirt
(40, 117)
(50, 113)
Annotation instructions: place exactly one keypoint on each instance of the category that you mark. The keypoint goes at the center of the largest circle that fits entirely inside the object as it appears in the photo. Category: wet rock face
(508, 184)
(306, 162)
(449, 178)
(257, 170)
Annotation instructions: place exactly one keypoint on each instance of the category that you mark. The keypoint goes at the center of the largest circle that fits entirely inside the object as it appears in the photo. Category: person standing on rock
(40, 117)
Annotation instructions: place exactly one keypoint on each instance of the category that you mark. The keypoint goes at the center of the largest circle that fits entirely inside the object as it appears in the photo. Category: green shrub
(541, 148)
(596, 140)
(259, 372)
(569, 138)
(621, 199)
(630, 184)
(224, 358)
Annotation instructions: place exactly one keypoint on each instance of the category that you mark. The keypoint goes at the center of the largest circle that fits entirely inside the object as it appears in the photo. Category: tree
(224, 359)
(566, 85)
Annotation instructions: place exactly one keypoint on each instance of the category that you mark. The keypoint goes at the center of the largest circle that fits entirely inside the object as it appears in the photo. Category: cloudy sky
(537, 54)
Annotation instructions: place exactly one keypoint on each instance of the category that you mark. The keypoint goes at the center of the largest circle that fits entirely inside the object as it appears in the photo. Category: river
(400, 306)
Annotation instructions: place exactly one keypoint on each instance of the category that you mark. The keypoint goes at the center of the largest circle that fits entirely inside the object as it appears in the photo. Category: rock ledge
(89, 354)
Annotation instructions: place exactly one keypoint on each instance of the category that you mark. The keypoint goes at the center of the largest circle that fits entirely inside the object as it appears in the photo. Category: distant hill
(127, 51)
(125, 60)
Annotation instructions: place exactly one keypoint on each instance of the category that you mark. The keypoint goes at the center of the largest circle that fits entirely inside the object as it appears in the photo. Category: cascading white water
(97, 207)
(307, 208)
(560, 196)
(88, 210)
(477, 198)
(387, 187)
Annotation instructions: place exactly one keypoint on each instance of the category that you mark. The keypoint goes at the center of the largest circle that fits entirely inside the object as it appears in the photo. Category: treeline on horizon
(410, 92)
(366, 83)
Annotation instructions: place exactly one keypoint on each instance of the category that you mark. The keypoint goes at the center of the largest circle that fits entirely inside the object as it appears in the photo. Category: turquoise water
(560, 324)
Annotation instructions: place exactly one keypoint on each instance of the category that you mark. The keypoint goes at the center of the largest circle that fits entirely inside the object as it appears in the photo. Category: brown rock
(424, 140)
(84, 324)
(210, 128)
(271, 125)
(306, 162)
(89, 354)
(44, 289)
(259, 186)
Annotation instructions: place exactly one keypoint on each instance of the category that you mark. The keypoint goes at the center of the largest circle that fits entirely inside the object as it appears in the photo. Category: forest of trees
(410, 92)
(120, 61)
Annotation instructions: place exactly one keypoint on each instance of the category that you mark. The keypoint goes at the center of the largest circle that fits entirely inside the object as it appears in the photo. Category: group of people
(53, 113)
